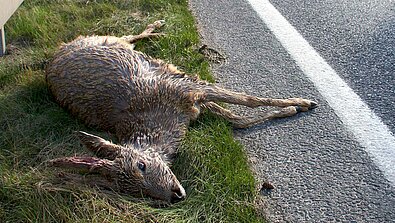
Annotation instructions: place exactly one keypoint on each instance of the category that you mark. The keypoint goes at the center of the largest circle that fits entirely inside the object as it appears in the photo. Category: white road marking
(366, 126)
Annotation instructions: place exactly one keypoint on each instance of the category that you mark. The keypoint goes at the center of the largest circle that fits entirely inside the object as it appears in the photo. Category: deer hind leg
(217, 94)
(246, 122)
(148, 32)
(289, 107)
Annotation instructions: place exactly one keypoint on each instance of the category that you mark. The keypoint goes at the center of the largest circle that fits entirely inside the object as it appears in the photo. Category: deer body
(108, 85)
(147, 103)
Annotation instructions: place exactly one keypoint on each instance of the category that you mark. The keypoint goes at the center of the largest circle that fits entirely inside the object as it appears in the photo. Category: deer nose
(178, 194)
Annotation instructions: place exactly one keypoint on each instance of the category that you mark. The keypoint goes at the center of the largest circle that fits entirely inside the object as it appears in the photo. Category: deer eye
(141, 165)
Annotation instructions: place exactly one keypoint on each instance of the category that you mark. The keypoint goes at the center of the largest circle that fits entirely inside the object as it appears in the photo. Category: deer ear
(86, 164)
(101, 147)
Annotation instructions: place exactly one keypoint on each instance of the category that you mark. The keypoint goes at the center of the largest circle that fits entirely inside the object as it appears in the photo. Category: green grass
(33, 128)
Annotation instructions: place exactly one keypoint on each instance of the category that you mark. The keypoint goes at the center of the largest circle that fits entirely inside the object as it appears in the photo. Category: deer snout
(178, 194)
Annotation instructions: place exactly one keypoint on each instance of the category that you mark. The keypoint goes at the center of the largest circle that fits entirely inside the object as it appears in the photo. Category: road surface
(336, 163)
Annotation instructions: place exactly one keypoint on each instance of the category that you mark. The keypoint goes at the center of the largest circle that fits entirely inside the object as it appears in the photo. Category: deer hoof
(313, 105)
(301, 108)
(159, 23)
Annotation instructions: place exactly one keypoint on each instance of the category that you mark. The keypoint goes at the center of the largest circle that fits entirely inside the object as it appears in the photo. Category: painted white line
(367, 128)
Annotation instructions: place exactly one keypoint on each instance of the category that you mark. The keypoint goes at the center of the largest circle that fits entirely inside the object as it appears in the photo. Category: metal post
(2, 41)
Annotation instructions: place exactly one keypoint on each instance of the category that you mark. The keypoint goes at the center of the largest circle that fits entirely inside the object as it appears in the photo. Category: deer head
(126, 169)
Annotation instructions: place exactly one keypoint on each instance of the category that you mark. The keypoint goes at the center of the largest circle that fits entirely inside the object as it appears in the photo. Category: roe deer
(147, 103)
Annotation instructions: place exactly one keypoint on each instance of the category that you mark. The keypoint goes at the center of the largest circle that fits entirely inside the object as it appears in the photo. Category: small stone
(268, 186)
(266, 189)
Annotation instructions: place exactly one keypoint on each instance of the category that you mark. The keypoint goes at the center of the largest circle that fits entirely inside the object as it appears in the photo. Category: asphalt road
(319, 170)
(357, 38)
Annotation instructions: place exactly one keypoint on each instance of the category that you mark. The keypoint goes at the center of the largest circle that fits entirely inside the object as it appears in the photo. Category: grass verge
(33, 128)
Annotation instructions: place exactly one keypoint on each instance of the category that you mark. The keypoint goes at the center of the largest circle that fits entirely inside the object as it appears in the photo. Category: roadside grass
(33, 128)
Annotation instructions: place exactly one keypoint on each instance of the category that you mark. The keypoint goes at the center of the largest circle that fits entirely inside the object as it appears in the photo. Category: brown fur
(147, 103)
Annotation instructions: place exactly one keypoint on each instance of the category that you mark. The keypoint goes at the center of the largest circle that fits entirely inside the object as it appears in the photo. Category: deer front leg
(246, 122)
(217, 94)
(148, 32)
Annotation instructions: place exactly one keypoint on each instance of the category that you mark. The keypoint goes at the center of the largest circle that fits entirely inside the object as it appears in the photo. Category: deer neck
(161, 134)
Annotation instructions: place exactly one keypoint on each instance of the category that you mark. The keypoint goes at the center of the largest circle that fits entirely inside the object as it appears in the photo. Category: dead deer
(147, 103)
